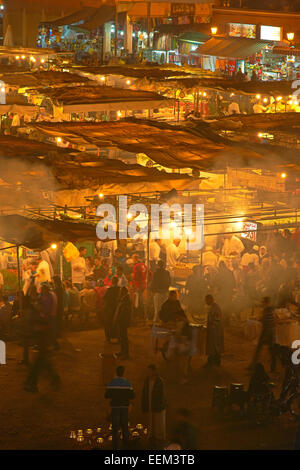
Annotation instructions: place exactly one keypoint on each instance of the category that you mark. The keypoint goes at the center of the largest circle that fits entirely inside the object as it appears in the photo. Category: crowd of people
(122, 289)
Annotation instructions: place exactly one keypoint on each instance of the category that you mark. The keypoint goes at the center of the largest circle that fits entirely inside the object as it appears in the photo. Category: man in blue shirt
(120, 392)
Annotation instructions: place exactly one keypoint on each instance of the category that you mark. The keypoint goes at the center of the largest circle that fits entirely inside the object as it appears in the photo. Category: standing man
(173, 255)
(119, 391)
(160, 287)
(122, 321)
(79, 269)
(267, 336)
(139, 281)
(215, 333)
(154, 403)
(154, 254)
(43, 333)
(110, 302)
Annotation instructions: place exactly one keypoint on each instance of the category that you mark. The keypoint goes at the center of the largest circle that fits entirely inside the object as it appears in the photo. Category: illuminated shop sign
(271, 33)
(239, 30)
(183, 9)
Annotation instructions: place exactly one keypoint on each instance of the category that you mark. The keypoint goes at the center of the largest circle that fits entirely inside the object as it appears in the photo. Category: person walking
(122, 321)
(110, 300)
(160, 287)
(195, 287)
(267, 336)
(215, 333)
(79, 269)
(120, 392)
(43, 338)
(154, 403)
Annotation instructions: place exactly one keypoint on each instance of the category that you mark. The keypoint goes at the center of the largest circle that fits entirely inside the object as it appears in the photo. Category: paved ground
(44, 420)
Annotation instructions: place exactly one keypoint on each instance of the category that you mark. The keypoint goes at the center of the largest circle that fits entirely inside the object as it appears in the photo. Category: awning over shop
(295, 51)
(151, 73)
(194, 37)
(102, 15)
(237, 48)
(101, 98)
(202, 28)
(172, 147)
(40, 234)
(76, 17)
(26, 110)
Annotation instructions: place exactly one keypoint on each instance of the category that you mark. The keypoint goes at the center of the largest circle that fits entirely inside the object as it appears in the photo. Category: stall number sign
(270, 33)
(251, 235)
(182, 9)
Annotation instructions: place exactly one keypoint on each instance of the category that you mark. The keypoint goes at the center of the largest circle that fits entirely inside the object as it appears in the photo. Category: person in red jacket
(139, 283)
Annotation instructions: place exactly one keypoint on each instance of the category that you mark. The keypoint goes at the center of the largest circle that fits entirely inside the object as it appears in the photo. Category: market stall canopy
(194, 37)
(42, 79)
(40, 234)
(73, 18)
(261, 121)
(151, 72)
(14, 51)
(171, 147)
(102, 15)
(85, 99)
(24, 109)
(237, 48)
(183, 28)
(64, 176)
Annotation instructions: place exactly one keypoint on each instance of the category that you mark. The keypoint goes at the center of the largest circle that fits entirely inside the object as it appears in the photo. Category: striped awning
(286, 51)
(236, 48)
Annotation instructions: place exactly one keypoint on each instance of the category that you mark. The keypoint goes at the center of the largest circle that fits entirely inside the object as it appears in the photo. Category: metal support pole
(19, 281)
(116, 27)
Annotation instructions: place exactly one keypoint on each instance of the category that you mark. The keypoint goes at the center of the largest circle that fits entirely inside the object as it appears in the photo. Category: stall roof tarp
(151, 72)
(92, 98)
(40, 234)
(261, 121)
(172, 147)
(42, 79)
(238, 48)
(48, 168)
(73, 18)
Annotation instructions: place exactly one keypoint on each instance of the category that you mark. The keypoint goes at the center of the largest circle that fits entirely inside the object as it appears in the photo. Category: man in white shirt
(232, 245)
(42, 273)
(209, 258)
(79, 269)
(250, 257)
(173, 254)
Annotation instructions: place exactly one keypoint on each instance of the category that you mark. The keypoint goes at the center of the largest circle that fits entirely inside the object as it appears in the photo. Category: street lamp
(214, 30)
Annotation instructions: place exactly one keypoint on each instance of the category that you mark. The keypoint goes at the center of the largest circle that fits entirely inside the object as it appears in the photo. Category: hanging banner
(183, 9)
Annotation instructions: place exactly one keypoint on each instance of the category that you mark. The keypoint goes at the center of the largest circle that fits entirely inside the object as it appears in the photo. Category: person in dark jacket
(184, 432)
(154, 403)
(195, 287)
(171, 308)
(119, 391)
(60, 294)
(215, 332)
(110, 301)
(122, 321)
(160, 287)
(267, 336)
(43, 336)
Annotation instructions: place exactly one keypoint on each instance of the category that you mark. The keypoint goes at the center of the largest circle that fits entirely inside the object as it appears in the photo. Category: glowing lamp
(258, 96)
(214, 30)
(58, 140)
(100, 195)
(283, 175)
(290, 36)
(54, 246)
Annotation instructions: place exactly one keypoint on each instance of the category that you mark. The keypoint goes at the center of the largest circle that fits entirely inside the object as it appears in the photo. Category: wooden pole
(19, 281)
